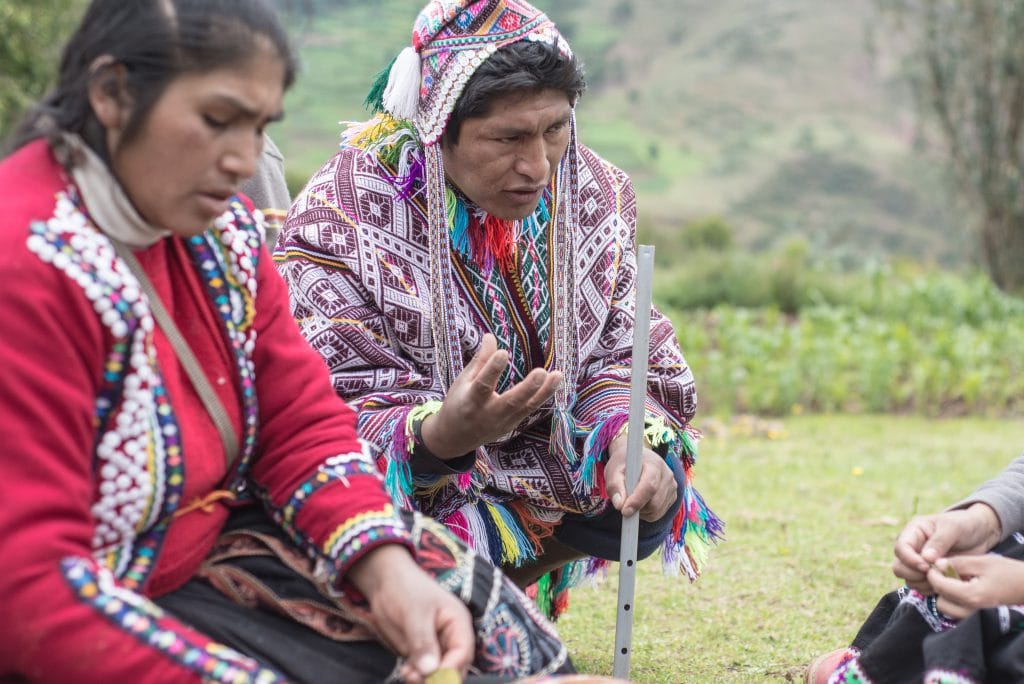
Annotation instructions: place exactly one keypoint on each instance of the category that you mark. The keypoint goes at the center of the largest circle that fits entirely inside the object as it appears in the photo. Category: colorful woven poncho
(395, 278)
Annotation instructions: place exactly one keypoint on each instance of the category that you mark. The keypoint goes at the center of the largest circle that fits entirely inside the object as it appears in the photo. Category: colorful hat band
(462, 42)
(451, 39)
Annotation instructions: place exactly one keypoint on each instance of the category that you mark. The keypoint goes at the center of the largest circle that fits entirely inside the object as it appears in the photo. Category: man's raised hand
(474, 413)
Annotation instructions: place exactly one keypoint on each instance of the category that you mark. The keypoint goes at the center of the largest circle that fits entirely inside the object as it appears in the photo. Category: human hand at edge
(655, 490)
(473, 413)
(926, 539)
(415, 616)
(985, 581)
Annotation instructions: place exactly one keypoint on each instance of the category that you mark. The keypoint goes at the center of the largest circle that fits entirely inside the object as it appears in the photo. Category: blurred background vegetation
(833, 187)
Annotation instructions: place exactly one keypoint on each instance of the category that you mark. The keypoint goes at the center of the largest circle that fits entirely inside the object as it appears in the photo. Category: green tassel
(689, 445)
(375, 98)
(657, 431)
(544, 594)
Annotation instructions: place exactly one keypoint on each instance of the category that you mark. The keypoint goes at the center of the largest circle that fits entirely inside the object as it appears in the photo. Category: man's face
(504, 160)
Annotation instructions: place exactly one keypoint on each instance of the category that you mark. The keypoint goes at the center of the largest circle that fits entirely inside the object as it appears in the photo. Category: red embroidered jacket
(104, 437)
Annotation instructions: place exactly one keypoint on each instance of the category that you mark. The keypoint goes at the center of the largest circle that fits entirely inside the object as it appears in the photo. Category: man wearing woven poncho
(466, 269)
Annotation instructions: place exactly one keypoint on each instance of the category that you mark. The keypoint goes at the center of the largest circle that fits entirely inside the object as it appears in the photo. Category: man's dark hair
(525, 66)
(155, 41)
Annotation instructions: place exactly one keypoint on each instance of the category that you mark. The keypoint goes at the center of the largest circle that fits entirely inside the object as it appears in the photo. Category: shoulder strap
(206, 393)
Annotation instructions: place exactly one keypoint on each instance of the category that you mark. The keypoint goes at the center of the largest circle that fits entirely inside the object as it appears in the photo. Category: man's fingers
(552, 380)
(488, 345)
(638, 499)
(487, 376)
(615, 485)
(659, 504)
(647, 487)
(656, 488)
(529, 394)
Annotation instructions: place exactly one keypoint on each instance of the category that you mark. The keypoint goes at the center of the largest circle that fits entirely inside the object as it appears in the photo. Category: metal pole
(634, 449)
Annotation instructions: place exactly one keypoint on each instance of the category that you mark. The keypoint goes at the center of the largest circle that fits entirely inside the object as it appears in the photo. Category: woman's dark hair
(525, 66)
(155, 41)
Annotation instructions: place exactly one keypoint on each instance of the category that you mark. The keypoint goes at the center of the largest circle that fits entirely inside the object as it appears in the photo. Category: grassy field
(811, 515)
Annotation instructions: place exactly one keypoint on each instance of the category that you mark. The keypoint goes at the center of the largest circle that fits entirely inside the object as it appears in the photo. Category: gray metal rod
(634, 450)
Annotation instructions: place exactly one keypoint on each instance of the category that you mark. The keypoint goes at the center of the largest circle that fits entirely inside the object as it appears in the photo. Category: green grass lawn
(810, 520)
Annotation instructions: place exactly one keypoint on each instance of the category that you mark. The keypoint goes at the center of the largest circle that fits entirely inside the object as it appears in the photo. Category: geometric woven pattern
(355, 258)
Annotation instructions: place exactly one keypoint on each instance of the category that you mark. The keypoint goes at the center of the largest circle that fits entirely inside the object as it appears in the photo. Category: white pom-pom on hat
(402, 94)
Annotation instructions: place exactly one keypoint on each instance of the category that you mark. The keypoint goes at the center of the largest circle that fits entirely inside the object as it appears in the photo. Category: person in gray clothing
(961, 612)
(269, 191)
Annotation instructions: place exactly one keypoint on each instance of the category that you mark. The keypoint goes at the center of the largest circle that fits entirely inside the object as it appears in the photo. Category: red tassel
(561, 604)
(677, 523)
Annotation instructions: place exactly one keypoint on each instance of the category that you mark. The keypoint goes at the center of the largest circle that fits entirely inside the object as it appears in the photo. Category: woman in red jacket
(184, 497)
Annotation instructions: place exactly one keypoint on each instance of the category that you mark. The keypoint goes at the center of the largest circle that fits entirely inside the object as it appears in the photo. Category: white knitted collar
(108, 205)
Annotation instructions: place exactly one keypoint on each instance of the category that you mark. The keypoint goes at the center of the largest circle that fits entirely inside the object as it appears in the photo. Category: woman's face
(200, 140)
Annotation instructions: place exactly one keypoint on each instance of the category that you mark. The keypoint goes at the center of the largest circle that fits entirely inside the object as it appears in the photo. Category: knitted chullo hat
(450, 40)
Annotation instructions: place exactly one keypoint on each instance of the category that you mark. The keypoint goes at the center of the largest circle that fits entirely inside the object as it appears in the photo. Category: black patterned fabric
(258, 595)
(906, 639)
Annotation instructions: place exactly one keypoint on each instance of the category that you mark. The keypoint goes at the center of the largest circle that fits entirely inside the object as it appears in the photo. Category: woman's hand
(418, 619)
(984, 581)
(473, 413)
(655, 490)
(926, 539)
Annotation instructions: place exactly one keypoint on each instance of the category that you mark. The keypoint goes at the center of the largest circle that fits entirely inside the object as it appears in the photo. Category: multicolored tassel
(695, 528)
(457, 525)
(489, 241)
(398, 475)
(516, 547)
(563, 433)
(589, 477)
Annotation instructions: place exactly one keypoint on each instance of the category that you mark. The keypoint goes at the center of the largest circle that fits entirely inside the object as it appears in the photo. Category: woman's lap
(287, 622)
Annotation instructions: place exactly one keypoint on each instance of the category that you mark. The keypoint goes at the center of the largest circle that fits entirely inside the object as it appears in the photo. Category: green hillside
(785, 118)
